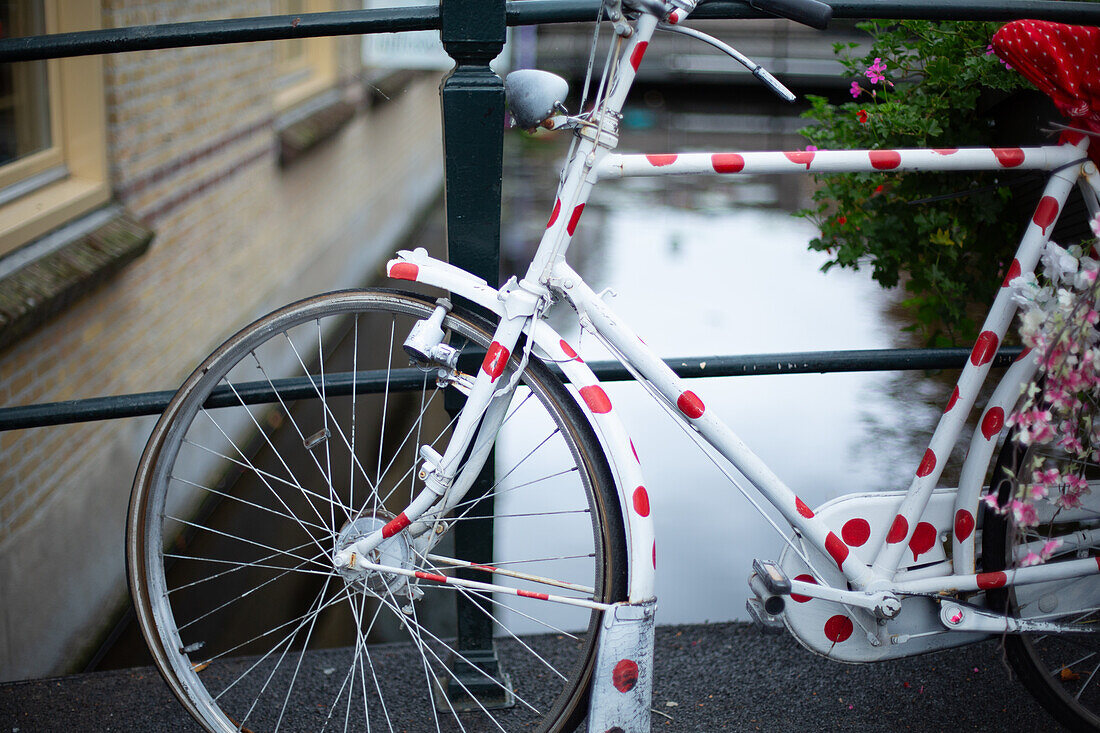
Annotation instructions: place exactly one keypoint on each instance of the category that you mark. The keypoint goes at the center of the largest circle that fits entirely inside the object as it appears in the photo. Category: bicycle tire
(214, 565)
(1061, 671)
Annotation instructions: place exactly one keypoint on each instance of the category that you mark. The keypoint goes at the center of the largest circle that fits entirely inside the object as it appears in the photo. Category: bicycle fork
(448, 477)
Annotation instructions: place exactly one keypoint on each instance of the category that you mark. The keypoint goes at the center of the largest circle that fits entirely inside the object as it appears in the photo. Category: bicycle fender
(418, 266)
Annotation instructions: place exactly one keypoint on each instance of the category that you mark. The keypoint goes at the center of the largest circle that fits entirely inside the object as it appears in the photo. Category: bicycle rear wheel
(1061, 670)
(238, 508)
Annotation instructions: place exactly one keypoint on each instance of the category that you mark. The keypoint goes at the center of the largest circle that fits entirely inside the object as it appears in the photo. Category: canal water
(705, 266)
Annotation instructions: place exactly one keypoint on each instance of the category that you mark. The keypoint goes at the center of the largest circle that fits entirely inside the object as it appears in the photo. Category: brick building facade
(252, 200)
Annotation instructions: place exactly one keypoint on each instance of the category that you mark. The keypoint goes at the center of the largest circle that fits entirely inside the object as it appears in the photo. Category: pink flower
(874, 71)
(811, 147)
(1049, 548)
(855, 89)
(989, 50)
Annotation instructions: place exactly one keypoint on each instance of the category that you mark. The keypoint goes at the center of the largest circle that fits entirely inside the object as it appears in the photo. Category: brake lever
(757, 70)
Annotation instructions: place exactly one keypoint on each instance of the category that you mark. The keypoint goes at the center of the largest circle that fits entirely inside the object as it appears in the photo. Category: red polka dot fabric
(1063, 61)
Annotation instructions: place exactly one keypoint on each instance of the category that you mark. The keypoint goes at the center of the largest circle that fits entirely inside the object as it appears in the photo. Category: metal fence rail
(517, 12)
(337, 385)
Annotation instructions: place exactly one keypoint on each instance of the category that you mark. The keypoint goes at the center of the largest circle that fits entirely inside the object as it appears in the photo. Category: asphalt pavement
(710, 677)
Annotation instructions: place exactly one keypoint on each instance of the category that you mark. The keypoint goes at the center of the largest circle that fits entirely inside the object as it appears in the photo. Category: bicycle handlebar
(808, 12)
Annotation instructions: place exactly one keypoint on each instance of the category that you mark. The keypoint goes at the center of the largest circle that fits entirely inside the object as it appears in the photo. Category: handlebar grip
(808, 12)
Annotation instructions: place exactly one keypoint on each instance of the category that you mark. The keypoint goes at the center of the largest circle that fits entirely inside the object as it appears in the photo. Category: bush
(918, 86)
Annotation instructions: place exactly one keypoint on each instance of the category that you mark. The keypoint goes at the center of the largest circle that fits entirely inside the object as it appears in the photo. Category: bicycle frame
(520, 304)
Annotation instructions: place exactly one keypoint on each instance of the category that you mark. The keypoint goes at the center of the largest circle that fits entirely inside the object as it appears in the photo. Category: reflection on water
(708, 267)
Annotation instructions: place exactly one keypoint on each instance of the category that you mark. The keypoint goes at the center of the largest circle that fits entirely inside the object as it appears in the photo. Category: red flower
(862, 116)
(842, 220)
(878, 190)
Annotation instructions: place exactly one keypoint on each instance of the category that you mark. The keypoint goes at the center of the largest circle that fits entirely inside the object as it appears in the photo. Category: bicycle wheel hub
(393, 552)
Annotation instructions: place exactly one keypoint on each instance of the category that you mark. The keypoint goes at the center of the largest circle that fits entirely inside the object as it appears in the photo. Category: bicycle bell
(533, 95)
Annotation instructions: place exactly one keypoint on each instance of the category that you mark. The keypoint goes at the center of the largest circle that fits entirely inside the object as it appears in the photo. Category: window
(53, 163)
(306, 66)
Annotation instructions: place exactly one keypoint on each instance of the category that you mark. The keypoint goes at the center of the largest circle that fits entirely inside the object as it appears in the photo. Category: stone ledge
(39, 291)
(309, 130)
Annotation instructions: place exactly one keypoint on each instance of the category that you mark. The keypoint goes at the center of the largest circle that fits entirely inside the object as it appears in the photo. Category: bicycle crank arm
(961, 617)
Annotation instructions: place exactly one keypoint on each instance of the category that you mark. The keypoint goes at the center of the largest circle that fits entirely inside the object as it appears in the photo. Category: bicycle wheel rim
(148, 575)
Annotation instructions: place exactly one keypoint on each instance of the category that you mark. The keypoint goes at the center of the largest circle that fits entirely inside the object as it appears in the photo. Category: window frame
(319, 58)
(78, 124)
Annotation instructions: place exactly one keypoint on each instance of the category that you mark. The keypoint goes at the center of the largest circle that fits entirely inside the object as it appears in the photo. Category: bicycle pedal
(761, 619)
(774, 579)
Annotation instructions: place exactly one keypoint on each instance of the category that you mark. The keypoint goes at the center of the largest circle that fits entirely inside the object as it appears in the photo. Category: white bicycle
(291, 528)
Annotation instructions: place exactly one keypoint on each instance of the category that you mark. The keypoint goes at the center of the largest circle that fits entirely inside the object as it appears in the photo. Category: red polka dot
(654, 554)
(984, 348)
(395, 525)
(690, 405)
(1045, 213)
(838, 628)
(927, 464)
(405, 271)
(641, 501)
(554, 213)
(855, 532)
(992, 423)
(805, 578)
(576, 217)
(625, 675)
(898, 530)
(884, 160)
(727, 163)
(923, 539)
(837, 549)
(803, 509)
(1012, 274)
(954, 398)
(800, 157)
(496, 357)
(1009, 157)
(991, 580)
(635, 452)
(637, 54)
(945, 151)
(964, 524)
(596, 399)
(662, 160)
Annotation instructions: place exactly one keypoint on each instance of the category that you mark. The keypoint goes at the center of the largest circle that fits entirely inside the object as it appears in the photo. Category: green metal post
(473, 33)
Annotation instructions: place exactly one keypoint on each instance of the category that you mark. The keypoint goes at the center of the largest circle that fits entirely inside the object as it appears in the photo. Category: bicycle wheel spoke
(247, 541)
(327, 411)
(262, 508)
(261, 473)
(301, 434)
(333, 499)
(300, 620)
(238, 566)
(517, 487)
(458, 655)
(496, 569)
(247, 593)
(269, 487)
